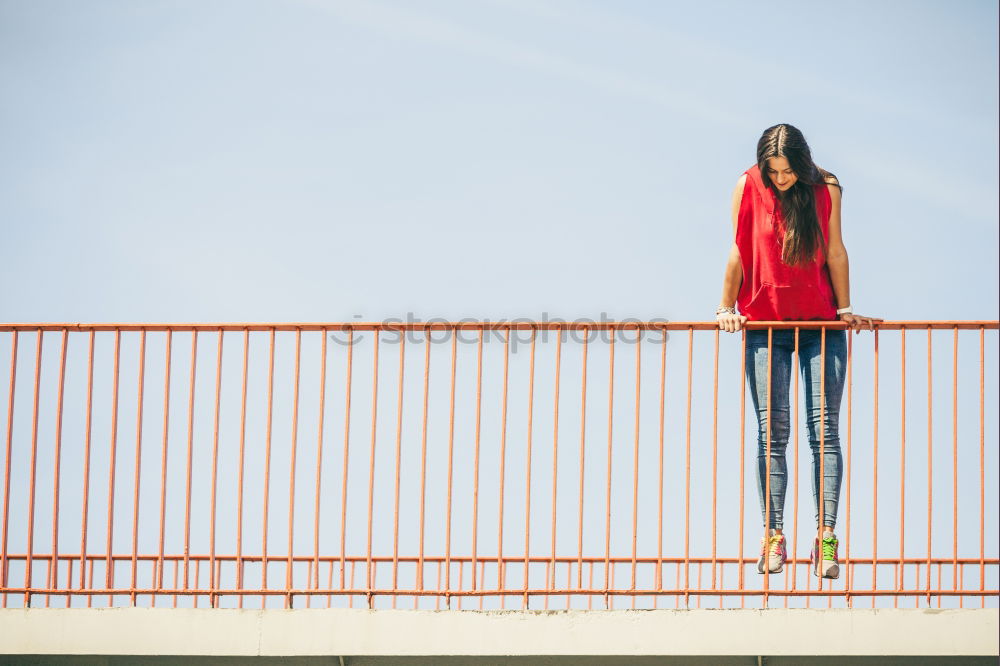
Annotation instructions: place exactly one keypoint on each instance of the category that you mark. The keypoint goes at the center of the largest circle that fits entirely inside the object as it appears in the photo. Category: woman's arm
(837, 262)
(733, 277)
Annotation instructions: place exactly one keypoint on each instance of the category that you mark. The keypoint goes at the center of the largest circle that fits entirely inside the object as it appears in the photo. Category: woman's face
(780, 173)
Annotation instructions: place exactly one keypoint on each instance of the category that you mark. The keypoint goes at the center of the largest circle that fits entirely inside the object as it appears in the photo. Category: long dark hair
(798, 203)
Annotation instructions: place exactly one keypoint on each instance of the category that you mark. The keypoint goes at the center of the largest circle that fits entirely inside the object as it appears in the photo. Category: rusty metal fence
(478, 466)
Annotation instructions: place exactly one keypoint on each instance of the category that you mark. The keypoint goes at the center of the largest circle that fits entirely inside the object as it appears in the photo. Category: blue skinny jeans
(811, 365)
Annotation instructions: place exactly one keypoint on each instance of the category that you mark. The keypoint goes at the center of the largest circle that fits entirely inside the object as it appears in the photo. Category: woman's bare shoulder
(741, 184)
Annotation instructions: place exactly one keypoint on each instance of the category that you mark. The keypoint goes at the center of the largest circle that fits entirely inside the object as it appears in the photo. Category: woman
(788, 263)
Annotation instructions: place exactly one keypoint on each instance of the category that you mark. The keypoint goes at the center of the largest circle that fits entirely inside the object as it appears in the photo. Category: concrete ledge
(277, 633)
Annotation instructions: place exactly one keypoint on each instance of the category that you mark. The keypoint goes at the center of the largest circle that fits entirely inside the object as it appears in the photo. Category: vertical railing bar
(677, 584)
(821, 504)
(961, 580)
(10, 443)
(482, 582)
(503, 461)
(930, 465)
(451, 465)
(350, 598)
(163, 457)
(423, 467)
(583, 438)
(611, 585)
(69, 581)
(138, 458)
(982, 463)
(687, 471)
(569, 583)
(437, 598)
(289, 566)
(347, 441)
(240, 471)
(399, 443)
(109, 573)
(954, 466)
(743, 421)
(267, 467)
(875, 468)
(369, 577)
(319, 459)
(767, 466)
(795, 476)
(715, 454)
(475, 462)
(849, 577)
(48, 577)
(659, 502)
(527, 472)
(635, 463)
(56, 465)
(902, 467)
(607, 521)
(90, 577)
(190, 452)
(551, 582)
(212, 598)
(29, 558)
(503, 575)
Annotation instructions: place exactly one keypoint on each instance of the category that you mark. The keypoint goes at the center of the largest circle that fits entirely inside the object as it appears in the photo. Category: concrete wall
(366, 634)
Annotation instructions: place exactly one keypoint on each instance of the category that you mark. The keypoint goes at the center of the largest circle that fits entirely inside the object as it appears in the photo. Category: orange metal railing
(438, 465)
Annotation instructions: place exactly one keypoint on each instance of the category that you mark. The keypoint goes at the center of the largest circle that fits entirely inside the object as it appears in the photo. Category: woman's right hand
(730, 323)
(858, 322)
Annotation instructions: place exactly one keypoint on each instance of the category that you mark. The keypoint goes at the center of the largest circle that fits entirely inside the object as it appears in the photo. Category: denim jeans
(811, 365)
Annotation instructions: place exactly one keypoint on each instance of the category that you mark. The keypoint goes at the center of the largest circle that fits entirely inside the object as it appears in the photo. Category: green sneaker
(824, 557)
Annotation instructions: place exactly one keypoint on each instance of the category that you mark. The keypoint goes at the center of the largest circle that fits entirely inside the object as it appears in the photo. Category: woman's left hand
(858, 322)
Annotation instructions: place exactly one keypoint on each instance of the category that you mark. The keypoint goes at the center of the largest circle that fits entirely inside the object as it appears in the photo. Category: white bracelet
(846, 310)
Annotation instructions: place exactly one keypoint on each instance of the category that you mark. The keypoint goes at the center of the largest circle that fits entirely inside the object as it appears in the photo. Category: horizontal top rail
(486, 325)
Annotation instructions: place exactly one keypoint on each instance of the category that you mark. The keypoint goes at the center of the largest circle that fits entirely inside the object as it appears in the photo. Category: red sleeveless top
(772, 290)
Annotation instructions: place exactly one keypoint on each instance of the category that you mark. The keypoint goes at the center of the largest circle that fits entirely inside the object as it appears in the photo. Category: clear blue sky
(314, 160)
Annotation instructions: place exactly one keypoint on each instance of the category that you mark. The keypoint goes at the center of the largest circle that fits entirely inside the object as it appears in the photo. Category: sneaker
(772, 553)
(824, 557)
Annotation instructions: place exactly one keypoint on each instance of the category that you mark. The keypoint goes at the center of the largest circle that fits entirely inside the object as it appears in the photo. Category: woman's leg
(772, 419)
(823, 373)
